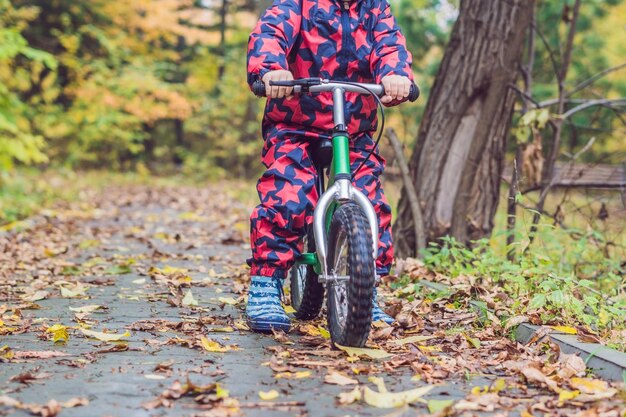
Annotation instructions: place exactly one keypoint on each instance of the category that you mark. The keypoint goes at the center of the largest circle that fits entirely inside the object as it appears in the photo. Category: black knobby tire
(307, 294)
(349, 303)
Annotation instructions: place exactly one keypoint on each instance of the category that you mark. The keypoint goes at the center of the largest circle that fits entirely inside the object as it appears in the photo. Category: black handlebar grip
(258, 88)
(414, 92)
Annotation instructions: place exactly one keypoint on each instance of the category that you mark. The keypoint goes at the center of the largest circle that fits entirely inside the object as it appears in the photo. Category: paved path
(133, 251)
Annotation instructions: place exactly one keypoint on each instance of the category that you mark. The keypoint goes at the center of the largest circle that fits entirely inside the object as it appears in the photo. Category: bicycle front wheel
(350, 257)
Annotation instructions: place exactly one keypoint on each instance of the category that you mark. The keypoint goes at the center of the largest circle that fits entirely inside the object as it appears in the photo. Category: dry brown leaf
(573, 365)
(41, 354)
(535, 375)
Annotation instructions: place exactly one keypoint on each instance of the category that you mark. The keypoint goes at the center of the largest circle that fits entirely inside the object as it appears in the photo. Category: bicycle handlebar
(317, 85)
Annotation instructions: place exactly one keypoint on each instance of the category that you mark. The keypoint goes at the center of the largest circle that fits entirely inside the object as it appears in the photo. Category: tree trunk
(459, 154)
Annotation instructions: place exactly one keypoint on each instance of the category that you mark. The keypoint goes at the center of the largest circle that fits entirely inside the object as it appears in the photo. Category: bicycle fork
(340, 192)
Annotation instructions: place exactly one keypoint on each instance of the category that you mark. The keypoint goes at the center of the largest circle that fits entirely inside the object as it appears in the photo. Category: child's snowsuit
(355, 40)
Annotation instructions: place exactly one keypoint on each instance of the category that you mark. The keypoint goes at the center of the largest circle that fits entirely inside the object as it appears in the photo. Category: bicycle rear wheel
(307, 294)
(350, 255)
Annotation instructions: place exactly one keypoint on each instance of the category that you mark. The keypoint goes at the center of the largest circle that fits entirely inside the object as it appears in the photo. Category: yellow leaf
(213, 346)
(350, 397)
(379, 382)
(170, 270)
(6, 352)
(105, 337)
(525, 413)
(413, 339)
(588, 385)
(325, 333)
(228, 300)
(473, 341)
(566, 395)
(188, 299)
(565, 329)
(310, 330)
(290, 310)
(429, 348)
(241, 325)
(498, 385)
(269, 395)
(226, 329)
(59, 333)
(394, 399)
(221, 392)
(293, 375)
(372, 353)
(191, 216)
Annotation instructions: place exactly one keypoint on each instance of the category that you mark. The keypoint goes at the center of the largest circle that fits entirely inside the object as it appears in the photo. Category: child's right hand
(276, 91)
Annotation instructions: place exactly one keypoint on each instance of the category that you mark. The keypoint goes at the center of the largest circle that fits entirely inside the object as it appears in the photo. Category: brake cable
(382, 122)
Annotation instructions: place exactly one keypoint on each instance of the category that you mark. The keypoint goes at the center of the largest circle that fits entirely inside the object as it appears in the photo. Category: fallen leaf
(227, 300)
(213, 346)
(269, 395)
(88, 309)
(413, 339)
(323, 332)
(566, 395)
(350, 397)
(59, 333)
(372, 353)
(73, 291)
(535, 375)
(336, 378)
(435, 406)
(44, 354)
(293, 375)
(27, 377)
(154, 376)
(290, 310)
(105, 337)
(37, 296)
(75, 402)
(592, 389)
(394, 399)
(188, 299)
(573, 365)
(564, 329)
(241, 325)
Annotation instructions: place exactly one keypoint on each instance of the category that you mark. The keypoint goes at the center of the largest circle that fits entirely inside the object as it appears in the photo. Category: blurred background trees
(159, 86)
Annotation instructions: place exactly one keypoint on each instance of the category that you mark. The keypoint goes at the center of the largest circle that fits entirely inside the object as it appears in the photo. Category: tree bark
(459, 154)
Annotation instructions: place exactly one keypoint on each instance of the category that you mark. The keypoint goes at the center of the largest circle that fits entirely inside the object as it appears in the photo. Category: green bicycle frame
(339, 191)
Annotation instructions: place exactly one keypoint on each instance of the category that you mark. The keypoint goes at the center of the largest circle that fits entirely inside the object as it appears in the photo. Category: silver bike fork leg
(337, 193)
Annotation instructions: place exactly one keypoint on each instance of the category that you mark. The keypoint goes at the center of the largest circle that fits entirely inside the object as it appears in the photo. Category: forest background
(157, 87)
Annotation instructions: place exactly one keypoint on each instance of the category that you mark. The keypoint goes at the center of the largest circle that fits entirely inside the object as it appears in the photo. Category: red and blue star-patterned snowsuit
(356, 40)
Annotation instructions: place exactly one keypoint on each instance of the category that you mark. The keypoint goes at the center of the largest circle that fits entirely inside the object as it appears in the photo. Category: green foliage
(593, 48)
(573, 286)
(18, 141)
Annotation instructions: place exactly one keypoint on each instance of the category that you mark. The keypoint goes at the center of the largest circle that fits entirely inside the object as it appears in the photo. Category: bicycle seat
(322, 152)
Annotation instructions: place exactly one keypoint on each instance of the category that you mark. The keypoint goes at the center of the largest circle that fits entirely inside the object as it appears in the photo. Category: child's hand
(276, 91)
(397, 87)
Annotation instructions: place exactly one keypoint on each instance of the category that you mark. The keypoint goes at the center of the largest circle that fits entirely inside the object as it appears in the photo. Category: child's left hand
(397, 87)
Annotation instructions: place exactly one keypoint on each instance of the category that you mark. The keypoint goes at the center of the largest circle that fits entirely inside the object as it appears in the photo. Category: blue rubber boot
(378, 313)
(264, 310)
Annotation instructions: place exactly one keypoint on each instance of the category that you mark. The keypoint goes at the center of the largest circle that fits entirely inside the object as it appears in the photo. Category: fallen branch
(416, 211)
